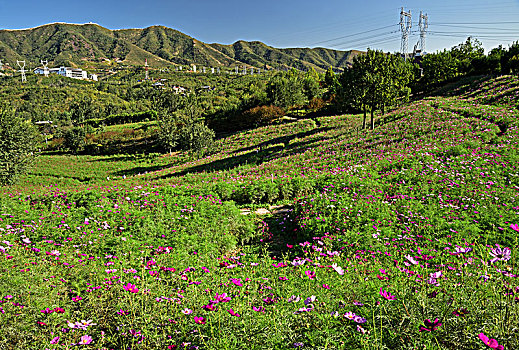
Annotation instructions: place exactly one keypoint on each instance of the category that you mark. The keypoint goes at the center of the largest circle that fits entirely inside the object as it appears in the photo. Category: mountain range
(91, 45)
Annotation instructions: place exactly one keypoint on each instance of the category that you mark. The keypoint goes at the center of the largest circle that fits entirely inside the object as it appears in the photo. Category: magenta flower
(310, 274)
(131, 288)
(200, 320)
(55, 340)
(47, 311)
(209, 307)
(59, 310)
(85, 340)
(187, 311)
(258, 309)
(220, 298)
(515, 227)
(387, 295)
(430, 326)
(491, 343)
(231, 311)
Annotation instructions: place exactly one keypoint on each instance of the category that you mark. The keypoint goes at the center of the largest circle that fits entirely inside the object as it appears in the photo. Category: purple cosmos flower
(310, 300)
(293, 299)
(491, 343)
(462, 250)
(500, 254)
(387, 295)
(430, 326)
(460, 312)
(359, 319)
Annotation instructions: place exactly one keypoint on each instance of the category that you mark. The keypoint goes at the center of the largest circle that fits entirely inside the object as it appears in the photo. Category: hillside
(396, 238)
(90, 44)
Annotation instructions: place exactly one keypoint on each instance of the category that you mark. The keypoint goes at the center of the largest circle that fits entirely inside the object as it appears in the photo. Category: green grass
(424, 207)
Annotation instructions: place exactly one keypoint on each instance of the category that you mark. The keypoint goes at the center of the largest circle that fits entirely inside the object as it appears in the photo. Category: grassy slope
(436, 174)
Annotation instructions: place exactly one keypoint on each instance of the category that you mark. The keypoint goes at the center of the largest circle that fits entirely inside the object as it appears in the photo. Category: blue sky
(339, 24)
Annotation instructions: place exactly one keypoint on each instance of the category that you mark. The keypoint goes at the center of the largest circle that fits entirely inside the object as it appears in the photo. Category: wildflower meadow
(403, 237)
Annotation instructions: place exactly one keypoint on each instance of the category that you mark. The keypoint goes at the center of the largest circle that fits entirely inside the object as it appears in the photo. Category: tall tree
(18, 141)
(374, 82)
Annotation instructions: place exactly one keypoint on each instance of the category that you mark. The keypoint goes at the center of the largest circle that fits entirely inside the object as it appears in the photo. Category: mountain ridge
(81, 45)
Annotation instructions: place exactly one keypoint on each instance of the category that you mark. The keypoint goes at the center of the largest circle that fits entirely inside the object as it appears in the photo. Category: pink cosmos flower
(85, 340)
(491, 343)
(200, 320)
(515, 227)
(258, 309)
(55, 340)
(187, 311)
(220, 298)
(231, 311)
(430, 326)
(310, 274)
(387, 295)
(131, 288)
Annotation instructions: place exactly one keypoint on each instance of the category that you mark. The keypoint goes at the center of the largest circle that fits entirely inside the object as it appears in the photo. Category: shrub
(262, 115)
(74, 138)
(195, 136)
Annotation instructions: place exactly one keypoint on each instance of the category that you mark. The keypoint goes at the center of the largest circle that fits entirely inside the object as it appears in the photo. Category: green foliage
(168, 131)
(74, 138)
(18, 141)
(375, 82)
(195, 136)
(285, 90)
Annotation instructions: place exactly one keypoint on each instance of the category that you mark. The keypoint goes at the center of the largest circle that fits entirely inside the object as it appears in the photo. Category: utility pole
(45, 68)
(21, 64)
(423, 24)
(405, 28)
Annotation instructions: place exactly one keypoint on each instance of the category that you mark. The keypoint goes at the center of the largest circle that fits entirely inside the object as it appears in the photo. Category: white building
(75, 73)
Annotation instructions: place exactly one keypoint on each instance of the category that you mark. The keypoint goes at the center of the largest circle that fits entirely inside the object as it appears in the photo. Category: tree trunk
(372, 118)
(364, 120)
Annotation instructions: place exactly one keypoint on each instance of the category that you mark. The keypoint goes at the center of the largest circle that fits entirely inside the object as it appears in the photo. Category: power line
(351, 35)
(365, 38)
